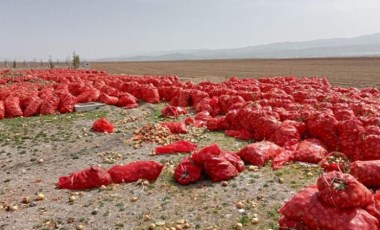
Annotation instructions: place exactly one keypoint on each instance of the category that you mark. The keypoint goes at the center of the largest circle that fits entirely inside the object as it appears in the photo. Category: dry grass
(356, 72)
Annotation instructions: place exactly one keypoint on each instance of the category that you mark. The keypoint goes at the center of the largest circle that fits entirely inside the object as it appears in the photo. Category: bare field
(355, 72)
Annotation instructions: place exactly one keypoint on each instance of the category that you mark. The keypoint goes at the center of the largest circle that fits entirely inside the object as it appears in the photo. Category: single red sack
(234, 159)
(324, 127)
(176, 147)
(173, 111)
(367, 172)
(335, 161)
(103, 125)
(187, 171)
(203, 116)
(92, 177)
(374, 206)
(310, 150)
(127, 100)
(282, 158)
(175, 127)
(150, 94)
(369, 148)
(49, 105)
(149, 170)
(107, 99)
(33, 106)
(288, 224)
(67, 103)
(342, 190)
(242, 134)
(219, 169)
(217, 123)
(196, 123)
(259, 153)
(212, 156)
(286, 134)
(12, 107)
(2, 110)
(307, 208)
(206, 153)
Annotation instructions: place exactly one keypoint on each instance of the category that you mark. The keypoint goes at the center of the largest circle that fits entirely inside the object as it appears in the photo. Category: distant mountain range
(367, 45)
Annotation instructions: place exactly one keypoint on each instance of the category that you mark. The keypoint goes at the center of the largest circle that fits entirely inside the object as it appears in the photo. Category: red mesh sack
(265, 127)
(173, 111)
(12, 107)
(184, 97)
(300, 126)
(176, 147)
(286, 134)
(206, 153)
(150, 94)
(107, 99)
(306, 208)
(374, 206)
(111, 91)
(234, 159)
(49, 105)
(174, 101)
(230, 102)
(217, 123)
(282, 158)
(187, 172)
(342, 190)
(324, 127)
(175, 127)
(259, 153)
(89, 95)
(149, 170)
(67, 103)
(288, 224)
(335, 161)
(127, 100)
(232, 120)
(33, 107)
(350, 136)
(242, 134)
(197, 96)
(372, 130)
(367, 172)
(103, 125)
(92, 177)
(76, 88)
(219, 169)
(196, 123)
(369, 148)
(2, 110)
(310, 150)
(203, 116)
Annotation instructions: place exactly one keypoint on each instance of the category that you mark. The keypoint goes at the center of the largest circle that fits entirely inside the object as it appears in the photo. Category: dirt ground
(35, 151)
(355, 72)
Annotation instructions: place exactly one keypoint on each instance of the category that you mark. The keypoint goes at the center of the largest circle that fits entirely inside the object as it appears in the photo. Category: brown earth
(356, 72)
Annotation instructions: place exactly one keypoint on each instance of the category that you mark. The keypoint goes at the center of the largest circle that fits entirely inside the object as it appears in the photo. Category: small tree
(76, 61)
(14, 64)
(51, 63)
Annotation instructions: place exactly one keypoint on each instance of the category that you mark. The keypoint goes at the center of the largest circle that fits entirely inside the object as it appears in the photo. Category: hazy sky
(100, 28)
